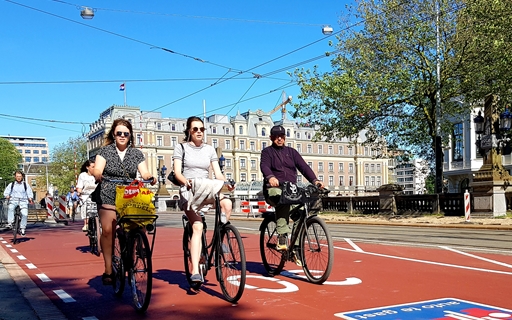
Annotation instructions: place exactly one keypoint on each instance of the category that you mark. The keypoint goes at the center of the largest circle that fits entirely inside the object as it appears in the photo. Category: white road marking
(476, 257)
(428, 262)
(353, 245)
(294, 274)
(8, 246)
(31, 266)
(22, 258)
(4, 241)
(43, 277)
(14, 251)
(64, 296)
(287, 286)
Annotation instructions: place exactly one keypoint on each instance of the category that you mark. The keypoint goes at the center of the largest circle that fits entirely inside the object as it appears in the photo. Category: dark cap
(277, 131)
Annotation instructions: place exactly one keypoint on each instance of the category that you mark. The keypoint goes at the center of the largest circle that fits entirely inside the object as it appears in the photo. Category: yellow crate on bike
(137, 201)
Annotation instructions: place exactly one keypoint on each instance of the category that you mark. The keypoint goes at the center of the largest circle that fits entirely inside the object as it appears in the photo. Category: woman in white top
(199, 158)
(85, 186)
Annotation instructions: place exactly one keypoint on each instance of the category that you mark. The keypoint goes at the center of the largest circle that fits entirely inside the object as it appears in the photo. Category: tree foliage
(67, 159)
(9, 159)
(384, 74)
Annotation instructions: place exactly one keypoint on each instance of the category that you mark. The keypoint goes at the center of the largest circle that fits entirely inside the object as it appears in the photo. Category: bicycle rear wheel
(230, 263)
(317, 251)
(272, 259)
(92, 233)
(117, 261)
(141, 272)
(16, 223)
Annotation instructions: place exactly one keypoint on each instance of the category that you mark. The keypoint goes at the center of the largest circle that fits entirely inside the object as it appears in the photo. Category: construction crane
(282, 106)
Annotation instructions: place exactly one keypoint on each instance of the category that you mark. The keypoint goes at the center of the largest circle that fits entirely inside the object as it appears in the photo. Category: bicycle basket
(291, 194)
(134, 199)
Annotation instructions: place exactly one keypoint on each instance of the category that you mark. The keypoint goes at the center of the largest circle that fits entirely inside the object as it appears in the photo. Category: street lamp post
(491, 181)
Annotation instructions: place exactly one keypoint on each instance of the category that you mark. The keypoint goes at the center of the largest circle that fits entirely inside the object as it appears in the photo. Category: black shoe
(196, 278)
(282, 242)
(108, 279)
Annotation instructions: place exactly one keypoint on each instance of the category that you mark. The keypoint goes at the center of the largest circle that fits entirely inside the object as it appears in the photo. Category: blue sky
(57, 66)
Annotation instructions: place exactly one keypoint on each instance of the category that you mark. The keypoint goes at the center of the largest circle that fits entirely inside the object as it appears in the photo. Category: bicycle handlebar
(127, 181)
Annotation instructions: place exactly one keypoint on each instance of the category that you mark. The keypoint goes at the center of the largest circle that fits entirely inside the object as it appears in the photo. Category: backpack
(12, 185)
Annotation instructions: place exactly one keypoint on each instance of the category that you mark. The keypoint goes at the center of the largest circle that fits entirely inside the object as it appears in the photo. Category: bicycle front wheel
(317, 251)
(272, 259)
(231, 264)
(16, 223)
(117, 261)
(141, 272)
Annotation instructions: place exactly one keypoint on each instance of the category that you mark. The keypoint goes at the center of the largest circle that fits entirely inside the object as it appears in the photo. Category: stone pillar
(387, 192)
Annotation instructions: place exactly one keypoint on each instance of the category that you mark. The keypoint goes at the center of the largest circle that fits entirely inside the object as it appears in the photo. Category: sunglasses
(120, 134)
(195, 129)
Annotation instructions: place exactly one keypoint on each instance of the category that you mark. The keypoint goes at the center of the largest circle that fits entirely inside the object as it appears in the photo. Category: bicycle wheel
(16, 223)
(273, 260)
(231, 265)
(117, 261)
(317, 251)
(92, 233)
(141, 272)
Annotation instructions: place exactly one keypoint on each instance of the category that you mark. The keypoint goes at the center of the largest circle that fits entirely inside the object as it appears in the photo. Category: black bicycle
(132, 254)
(314, 250)
(17, 218)
(93, 226)
(225, 251)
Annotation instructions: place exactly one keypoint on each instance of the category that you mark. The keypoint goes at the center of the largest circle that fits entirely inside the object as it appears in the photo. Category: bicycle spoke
(231, 269)
(317, 250)
(272, 258)
(141, 271)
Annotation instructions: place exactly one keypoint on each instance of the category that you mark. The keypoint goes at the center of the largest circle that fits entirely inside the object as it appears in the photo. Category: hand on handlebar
(319, 184)
(273, 182)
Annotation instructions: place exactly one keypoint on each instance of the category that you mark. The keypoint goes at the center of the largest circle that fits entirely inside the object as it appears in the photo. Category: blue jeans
(24, 212)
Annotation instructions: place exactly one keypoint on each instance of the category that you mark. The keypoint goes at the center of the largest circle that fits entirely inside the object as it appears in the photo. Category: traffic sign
(440, 309)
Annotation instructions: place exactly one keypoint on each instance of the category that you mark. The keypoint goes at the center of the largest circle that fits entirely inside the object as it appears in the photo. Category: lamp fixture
(327, 30)
(87, 13)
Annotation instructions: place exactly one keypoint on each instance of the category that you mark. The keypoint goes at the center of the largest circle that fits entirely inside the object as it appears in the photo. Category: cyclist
(18, 189)
(199, 158)
(117, 159)
(280, 163)
(72, 200)
(85, 186)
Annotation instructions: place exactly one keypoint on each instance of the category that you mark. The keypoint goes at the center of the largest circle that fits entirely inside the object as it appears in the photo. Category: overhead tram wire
(37, 124)
(43, 120)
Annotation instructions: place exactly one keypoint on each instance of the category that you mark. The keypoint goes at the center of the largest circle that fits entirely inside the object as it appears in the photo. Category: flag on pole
(121, 87)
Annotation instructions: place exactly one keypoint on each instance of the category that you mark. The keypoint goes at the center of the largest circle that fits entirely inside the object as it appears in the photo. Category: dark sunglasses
(195, 129)
(120, 134)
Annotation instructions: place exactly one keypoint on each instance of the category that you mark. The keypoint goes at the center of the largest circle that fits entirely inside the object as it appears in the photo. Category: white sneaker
(9, 226)
(22, 231)
(223, 217)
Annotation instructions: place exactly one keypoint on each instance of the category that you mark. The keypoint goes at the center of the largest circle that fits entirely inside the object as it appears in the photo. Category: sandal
(107, 279)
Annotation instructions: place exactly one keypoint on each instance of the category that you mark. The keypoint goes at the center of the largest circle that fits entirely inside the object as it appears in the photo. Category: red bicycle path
(364, 276)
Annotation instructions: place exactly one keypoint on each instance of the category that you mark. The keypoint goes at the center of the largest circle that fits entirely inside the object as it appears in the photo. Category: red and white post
(467, 206)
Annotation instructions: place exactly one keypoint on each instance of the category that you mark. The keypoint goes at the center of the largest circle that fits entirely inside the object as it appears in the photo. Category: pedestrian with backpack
(20, 190)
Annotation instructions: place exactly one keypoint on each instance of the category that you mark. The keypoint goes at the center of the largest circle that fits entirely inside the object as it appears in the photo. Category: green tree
(9, 160)
(67, 158)
(384, 77)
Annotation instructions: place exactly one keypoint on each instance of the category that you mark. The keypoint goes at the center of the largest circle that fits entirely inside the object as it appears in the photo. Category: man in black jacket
(280, 163)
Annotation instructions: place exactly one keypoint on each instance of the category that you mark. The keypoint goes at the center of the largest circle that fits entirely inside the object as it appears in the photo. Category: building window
(289, 144)
(320, 149)
(227, 130)
(366, 151)
(320, 167)
(228, 163)
(321, 178)
(44, 152)
(299, 178)
(253, 146)
(242, 144)
(288, 133)
(28, 159)
(253, 177)
(457, 142)
(367, 181)
(35, 152)
(243, 177)
(253, 164)
(139, 139)
(159, 140)
(373, 181)
(331, 181)
(45, 159)
(298, 135)
(36, 159)
(331, 150)
(378, 181)
(378, 168)
(341, 180)
(340, 166)
(263, 145)
(331, 167)
(242, 163)
(214, 129)
(310, 149)
(241, 129)
(263, 132)
(351, 168)
(372, 168)
(228, 176)
(350, 180)
(350, 151)
(215, 143)
(310, 164)
(299, 148)
(173, 141)
(27, 151)
(227, 143)
(366, 168)
(340, 149)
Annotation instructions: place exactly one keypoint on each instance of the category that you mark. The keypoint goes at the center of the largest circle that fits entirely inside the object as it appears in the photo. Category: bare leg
(226, 206)
(107, 215)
